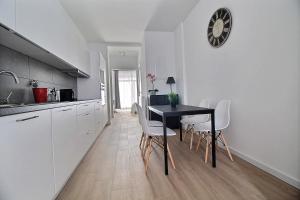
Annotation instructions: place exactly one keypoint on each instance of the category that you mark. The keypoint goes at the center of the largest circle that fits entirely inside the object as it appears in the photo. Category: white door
(26, 164)
(98, 120)
(64, 133)
(86, 126)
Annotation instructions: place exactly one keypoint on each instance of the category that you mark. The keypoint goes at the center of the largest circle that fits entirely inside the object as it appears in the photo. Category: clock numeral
(214, 42)
(226, 30)
(225, 15)
(211, 38)
(221, 40)
(227, 21)
(221, 13)
(209, 34)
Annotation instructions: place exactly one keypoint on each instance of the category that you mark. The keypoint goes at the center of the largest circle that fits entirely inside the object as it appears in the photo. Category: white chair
(152, 135)
(151, 123)
(222, 120)
(190, 121)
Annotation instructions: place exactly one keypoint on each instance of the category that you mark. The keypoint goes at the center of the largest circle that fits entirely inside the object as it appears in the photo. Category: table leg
(213, 138)
(180, 128)
(165, 145)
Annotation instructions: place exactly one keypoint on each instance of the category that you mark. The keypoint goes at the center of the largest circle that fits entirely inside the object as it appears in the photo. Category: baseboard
(290, 180)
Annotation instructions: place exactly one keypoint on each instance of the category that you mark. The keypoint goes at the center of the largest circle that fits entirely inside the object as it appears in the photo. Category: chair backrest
(222, 114)
(137, 109)
(204, 103)
(143, 120)
(145, 107)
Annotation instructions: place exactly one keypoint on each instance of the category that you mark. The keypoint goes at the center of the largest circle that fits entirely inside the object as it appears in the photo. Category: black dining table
(166, 111)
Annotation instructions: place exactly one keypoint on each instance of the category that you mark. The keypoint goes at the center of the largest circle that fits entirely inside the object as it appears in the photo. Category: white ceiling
(124, 51)
(125, 20)
(124, 57)
(169, 14)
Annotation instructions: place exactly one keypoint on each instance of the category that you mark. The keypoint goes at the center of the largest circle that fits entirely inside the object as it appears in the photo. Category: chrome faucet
(12, 74)
(6, 100)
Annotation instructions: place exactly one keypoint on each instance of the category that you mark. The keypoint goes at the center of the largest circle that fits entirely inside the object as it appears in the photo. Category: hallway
(114, 170)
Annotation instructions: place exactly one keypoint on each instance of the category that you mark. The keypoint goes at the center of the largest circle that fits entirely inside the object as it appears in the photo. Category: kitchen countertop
(18, 109)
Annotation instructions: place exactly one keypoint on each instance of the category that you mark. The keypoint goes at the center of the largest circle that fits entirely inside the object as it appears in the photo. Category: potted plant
(152, 78)
(173, 98)
(40, 94)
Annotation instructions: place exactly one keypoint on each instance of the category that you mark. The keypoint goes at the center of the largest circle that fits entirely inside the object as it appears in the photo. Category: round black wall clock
(219, 27)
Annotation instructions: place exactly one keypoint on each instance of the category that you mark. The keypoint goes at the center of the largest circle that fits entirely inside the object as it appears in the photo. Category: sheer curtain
(117, 90)
(127, 88)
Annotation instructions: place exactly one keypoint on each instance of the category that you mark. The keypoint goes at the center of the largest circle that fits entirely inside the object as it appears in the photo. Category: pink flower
(151, 77)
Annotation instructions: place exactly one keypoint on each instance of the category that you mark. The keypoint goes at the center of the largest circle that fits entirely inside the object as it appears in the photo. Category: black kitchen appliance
(66, 95)
(172, 122)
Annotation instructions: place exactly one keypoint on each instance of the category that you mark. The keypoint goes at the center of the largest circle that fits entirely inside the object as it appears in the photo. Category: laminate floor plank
(113, 169)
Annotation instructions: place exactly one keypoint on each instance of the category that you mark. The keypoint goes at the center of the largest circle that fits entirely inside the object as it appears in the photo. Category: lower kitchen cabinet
(65, 137)
(26, 164)
(104, 116)
(40, 150)
(98, 120)
(86, 126)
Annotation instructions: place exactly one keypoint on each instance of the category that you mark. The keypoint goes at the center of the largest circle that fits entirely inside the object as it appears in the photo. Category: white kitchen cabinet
(26, 165)
(65, 137)
(47, 24)
(7, 13)
(98, 120)
(86, 126)
(104, 115)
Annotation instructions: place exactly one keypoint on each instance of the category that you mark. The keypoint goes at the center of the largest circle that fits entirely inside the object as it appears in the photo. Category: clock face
(219, 27)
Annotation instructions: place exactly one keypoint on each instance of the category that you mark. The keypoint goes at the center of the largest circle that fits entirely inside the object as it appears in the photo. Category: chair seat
(194, 119)
(158, 131)
(155, 123)
(206, 127)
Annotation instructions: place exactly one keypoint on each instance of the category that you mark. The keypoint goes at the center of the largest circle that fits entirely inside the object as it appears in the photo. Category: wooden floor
(114, 170)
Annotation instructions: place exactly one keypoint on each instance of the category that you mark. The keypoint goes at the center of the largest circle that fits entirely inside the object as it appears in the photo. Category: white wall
(179, 63)
(90, 88)
(160, 59)
(258, 69)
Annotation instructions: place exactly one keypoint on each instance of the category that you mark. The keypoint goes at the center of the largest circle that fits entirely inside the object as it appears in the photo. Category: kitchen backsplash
(27, 69)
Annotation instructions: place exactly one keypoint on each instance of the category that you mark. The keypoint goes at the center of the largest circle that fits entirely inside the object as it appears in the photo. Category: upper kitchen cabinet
(46, 23)
(7, 13)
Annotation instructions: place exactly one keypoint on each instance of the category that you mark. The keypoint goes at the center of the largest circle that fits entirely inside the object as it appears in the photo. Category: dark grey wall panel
(26, 69)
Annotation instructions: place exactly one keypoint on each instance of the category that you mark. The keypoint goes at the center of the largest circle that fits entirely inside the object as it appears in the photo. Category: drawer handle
(86, 105)
(26, 119)
(66, 110)
(87, 114)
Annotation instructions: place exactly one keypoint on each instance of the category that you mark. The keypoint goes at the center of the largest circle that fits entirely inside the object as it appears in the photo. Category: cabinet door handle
(87, 114)
(65, 110)
(86, 105)
(25, 119)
